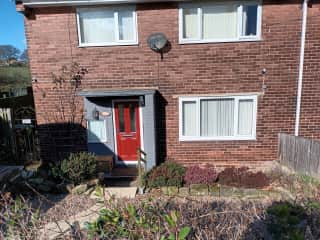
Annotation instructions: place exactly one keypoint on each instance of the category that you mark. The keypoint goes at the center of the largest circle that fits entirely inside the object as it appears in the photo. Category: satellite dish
(157, 42)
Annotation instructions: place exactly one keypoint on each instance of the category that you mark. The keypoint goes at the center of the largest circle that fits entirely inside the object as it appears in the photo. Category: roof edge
(44, 3)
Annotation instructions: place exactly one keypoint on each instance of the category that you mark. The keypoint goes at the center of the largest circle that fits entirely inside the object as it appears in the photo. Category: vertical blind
(191, 23)
(97, 26)
(126, 25)
(219, 117)
(245, 122)
(189, 118)
(100, 26)
(219, 22)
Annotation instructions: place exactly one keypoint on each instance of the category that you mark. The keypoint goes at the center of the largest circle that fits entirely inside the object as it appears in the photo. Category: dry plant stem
(37, 193)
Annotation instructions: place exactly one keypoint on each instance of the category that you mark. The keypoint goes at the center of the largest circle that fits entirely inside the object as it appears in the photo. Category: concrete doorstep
(121, 192)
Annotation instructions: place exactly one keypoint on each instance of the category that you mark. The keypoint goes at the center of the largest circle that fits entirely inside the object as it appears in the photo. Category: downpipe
(301, 65)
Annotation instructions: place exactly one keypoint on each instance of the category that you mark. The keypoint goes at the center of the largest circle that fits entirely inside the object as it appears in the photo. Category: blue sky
(11, 25)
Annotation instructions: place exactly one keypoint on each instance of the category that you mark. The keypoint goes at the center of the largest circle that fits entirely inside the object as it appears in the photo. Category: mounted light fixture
(141, 101)
(95, 114)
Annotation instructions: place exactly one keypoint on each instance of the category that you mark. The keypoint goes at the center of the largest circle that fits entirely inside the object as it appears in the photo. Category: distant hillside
(12, 77)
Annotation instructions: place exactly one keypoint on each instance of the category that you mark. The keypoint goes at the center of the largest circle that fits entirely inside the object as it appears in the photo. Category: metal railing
(142, 162)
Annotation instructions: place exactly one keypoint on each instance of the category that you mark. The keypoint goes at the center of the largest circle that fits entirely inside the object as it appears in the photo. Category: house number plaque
(105, 114)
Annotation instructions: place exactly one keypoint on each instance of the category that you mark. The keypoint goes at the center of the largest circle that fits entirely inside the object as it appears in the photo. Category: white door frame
(117, 161)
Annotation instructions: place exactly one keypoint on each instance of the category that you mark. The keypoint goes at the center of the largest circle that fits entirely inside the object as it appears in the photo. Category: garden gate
(18, 142)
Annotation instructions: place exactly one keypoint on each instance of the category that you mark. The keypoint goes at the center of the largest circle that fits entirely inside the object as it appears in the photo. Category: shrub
(77, 168)
(287, 221)
(167, 174)
(242, 177)
(148, 220)
(200, 175)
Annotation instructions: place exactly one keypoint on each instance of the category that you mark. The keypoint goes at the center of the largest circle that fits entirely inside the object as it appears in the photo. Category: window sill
(199, 139)
(253, 39)
(108, 44)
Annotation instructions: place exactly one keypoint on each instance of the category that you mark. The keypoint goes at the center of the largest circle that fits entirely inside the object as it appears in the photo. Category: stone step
(120, 182)
(121, 192)
(116, 192)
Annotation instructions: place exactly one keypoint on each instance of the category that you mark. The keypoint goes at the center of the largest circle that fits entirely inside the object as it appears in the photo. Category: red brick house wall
(310, 105)
(213, 68)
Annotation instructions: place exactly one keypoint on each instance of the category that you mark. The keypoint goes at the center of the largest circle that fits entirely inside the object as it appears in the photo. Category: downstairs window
(217, 118)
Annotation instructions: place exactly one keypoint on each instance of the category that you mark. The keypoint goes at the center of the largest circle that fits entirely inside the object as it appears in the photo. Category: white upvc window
(97, 131)
(219, 22)
(106, 26)
(217, 118)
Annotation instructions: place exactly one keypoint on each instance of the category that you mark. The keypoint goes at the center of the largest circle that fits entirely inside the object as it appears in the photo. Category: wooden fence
(300, 154)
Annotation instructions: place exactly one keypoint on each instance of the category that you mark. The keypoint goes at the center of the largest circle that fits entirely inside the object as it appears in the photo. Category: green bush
(287, 221)
(138, 221)
(167, 174)
(77, 168)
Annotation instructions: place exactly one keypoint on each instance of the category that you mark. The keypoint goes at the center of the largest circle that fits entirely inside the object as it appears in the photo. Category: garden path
(60, 229)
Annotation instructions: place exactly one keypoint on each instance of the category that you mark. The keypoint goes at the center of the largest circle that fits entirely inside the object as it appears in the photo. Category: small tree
(66, 117)
(9, 52)
(66, 85)
(24, 57)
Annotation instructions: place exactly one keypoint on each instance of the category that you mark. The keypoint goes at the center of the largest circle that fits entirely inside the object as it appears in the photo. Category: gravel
(56, 207)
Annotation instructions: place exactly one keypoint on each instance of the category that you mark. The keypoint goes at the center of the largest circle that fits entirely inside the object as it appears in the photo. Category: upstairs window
(218, 118)
(107, 26)
(219, 22)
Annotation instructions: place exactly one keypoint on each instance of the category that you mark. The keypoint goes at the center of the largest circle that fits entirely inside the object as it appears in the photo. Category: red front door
(127, 124)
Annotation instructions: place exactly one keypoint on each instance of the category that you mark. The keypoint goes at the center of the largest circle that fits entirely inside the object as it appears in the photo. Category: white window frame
(105, 130)
(239, 5)
(117, 41)
(236, 136)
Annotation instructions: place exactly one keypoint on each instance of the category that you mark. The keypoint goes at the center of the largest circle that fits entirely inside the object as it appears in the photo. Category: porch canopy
(116, 92)
(103, 101)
